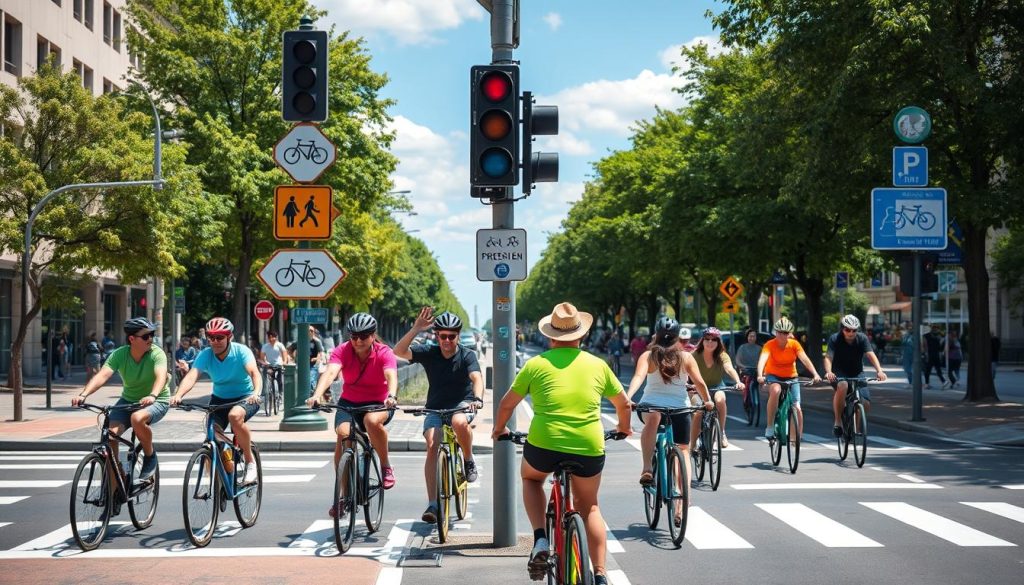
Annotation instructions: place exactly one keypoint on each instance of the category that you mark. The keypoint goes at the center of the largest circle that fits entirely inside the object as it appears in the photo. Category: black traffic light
(494, 131)
(538, 167)
(929, 281)
(304, 76)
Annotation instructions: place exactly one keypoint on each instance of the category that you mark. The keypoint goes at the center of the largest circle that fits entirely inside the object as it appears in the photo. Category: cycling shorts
(546, 460)
(220, 416)
(794, 390)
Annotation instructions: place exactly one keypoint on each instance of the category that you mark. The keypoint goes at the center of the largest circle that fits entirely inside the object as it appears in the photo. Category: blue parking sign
(842, 280)
(909, 166)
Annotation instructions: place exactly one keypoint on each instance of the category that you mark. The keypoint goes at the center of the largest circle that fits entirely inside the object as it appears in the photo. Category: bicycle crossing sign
(301, 274)
(303, 212)
(908, 219)
(731, 307)
(305, 153)
(731, 289)
(947, 281)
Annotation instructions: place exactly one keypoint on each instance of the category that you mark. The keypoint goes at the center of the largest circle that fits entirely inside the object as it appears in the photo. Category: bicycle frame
(216, 436)
(782, 412)
(122, 477)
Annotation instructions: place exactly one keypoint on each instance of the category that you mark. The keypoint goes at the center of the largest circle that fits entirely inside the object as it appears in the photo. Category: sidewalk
(65, 428)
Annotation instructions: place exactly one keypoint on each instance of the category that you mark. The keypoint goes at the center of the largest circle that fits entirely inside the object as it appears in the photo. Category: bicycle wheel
(652, 496)
(748, 404)
(553, 570)
(267, 392)
(315, 277)
(285, 276)
(461, 486)
(860, 435)
(143, 494)
(318, 155)
(698, 455)
(443, 490)
(793, 442)
(843, 440)
(90, 502)
(775, 446)
(926, 221)
(199, 495)
(291, 155)
(714, 447)
(576, 564)
(248, 498)
(373, 508)
(345, 501)
(677, 504)
(755, 398)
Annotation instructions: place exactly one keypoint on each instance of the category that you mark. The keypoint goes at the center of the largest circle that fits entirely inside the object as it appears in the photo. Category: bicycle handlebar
(519, 438)
(189, 406)
(105, 409)
(439, 411)
(667, 411)
(354, 409)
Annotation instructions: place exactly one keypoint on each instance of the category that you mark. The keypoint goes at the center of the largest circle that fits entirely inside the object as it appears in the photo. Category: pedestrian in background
(93, 356)
(932, 344)
(637, 347)
(954, 357)
(907, 354)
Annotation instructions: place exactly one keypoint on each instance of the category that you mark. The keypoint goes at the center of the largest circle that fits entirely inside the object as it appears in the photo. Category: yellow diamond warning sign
(731, 288)
(303, 212)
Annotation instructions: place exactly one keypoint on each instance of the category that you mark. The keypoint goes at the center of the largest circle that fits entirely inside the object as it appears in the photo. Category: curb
(394, 446)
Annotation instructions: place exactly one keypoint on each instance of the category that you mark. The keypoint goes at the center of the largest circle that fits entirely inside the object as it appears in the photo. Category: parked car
(469, 341)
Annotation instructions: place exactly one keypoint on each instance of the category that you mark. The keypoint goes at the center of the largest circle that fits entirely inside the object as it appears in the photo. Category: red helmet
(219, 326)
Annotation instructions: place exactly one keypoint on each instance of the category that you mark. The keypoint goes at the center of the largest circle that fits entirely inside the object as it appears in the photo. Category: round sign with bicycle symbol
(305, 153)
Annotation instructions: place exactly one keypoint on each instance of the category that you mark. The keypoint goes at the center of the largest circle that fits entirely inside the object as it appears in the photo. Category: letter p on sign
(910, 166)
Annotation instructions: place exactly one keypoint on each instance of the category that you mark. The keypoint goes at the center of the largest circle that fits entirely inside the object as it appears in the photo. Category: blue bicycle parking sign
(908, 219)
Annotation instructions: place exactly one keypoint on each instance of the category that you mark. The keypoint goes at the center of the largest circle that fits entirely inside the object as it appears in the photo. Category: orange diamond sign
(303, 212)
(731, 288)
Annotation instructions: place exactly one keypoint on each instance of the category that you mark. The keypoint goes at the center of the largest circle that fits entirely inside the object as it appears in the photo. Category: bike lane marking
(946, 529)
(818, 526)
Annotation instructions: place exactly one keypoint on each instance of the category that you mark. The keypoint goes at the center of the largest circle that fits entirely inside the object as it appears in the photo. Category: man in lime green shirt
(566, 386)
(143, 369)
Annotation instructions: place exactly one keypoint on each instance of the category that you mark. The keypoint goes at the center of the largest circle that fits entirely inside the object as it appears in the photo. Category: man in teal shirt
(143, 369)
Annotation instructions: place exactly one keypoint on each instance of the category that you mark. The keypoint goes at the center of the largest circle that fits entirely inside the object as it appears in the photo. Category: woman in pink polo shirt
(370, 376)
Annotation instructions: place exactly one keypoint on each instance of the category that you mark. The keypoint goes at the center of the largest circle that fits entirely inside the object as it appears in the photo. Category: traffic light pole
(917, 406)
(503, 321)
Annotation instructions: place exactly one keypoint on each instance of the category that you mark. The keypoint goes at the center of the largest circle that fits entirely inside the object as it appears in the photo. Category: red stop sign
(263, 310)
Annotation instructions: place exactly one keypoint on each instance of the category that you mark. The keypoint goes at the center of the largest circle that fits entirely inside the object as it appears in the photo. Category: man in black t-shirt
(454, 380)
(845, 359)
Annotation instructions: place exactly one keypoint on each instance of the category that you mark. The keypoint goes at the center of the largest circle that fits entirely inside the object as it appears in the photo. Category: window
(108, 87)
(12, 46)
(57, 2)
(89, 11)
(117, 31)
(84, 73)
(108, 22)
(76, 10)
(46, 50)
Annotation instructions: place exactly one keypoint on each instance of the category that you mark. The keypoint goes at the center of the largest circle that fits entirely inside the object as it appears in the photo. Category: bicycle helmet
(713, 332)
(667, 326)
(447, 320)
(784, 325)
(851, 322)
(361, 322)
(219, 326)
(136, 324)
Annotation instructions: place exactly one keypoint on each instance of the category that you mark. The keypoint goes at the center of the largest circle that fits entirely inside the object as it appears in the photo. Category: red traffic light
(496, 86)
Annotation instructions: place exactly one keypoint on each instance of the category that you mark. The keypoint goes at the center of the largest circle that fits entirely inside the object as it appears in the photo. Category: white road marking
(893, 443)
(1000, 508)
(946, 529)
(62, 539)
(11, 499)
(30, 483)
(178, 481)
(46, 457)
(836, 486)
(704, 532)
(267, 464)
(318, 534)
(617, 577)
(910, 478)
(614, 546)
(818, 526)
(2, 524)
(42, 466)
(1019, 486)
(462, 526)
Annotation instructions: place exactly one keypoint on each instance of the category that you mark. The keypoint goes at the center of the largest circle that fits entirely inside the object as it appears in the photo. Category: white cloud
(554, 20)
(565, 143)
(672, 56)
(427, 166)
(407, 21)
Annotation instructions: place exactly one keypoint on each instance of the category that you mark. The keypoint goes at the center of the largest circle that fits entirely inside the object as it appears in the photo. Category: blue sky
(604, 63)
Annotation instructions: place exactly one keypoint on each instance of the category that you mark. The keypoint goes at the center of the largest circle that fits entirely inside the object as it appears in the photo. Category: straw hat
(565, 323)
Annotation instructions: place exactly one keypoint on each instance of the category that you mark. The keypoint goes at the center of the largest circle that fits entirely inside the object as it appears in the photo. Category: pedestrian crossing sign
(303, 212)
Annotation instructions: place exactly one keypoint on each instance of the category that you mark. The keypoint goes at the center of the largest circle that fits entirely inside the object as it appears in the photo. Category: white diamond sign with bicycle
(301, 274)
(305, 153)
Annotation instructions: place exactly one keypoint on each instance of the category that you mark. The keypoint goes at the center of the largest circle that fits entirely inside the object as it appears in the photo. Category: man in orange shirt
(778, 364)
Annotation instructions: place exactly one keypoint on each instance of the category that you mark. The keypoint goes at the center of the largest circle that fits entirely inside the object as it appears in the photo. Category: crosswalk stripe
(11, 499)
(179, 481)
(2, 524)
(53, 466)
(267, 464)
(836, 486)
(320, 532)
(999, 508)
(1019, 486)
(62, 538)
(705, 532)
(41, 458)
(946, 529)
(818, 526)
(33, 483)
(613, 546)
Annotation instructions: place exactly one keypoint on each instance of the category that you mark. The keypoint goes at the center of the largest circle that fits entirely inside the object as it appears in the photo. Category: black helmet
(136, 324)
(447, 320)
(361, 323)
(668, 327)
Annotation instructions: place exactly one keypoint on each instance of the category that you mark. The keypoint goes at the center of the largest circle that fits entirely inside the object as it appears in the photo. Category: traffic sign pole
(297, 416)
(917, 414)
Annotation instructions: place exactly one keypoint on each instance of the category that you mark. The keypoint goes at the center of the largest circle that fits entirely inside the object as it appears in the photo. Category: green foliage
(1008, 256)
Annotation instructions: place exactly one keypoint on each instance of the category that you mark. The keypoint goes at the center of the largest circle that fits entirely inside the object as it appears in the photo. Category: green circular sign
(912, 125)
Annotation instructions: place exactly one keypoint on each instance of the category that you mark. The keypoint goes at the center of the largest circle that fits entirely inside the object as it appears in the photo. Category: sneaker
(538, 563)
(471, 473)
(837, 431)
(769, 433)
(430, 514)
(389, 478)
(148, 467)
(251, 474)
(647, 479)
(725, 441)
(333, 510)
(600, 580)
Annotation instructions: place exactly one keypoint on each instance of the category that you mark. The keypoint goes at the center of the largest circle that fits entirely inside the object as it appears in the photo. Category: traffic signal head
(304, 76)
(538, 167)
(494, 131)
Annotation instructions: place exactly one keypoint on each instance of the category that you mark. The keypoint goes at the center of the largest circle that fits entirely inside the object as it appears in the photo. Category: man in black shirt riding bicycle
(845, 359)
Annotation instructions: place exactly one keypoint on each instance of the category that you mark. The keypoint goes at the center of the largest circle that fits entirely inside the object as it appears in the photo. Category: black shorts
(220, 416)
(546, 460)
(680, 426)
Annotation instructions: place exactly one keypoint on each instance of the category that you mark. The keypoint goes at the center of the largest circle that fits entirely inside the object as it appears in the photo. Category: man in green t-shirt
(143, 369)
(566, 386)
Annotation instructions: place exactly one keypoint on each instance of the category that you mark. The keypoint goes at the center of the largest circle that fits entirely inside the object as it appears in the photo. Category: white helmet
(850, 322)
(783, 325)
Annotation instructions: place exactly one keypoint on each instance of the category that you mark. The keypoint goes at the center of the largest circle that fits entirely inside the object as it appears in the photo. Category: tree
(67, 137)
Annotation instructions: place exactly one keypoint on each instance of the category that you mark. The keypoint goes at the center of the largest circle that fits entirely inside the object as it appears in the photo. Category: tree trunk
(813, 296)
(242, 279)
(15, 377)
(752, 296)
(652, 311)
(980, 387)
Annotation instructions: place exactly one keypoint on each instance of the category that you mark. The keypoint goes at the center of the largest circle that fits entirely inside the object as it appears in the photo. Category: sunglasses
(216, 337)
(848, 330)
(361, 336)
(711, 339)
(145, 337)
(447, 337)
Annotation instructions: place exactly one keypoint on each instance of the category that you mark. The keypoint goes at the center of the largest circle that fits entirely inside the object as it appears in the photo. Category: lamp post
(157, 183)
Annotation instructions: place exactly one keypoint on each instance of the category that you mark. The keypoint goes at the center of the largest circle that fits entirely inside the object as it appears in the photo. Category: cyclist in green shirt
(143, 369)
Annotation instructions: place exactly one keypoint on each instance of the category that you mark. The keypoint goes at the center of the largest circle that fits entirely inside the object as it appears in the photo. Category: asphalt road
(921, 510)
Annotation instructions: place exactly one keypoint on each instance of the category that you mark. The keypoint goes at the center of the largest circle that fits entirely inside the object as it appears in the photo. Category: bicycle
(205, 492)
(913, 214)
(95, 497)
(310, 275)
(307, 150)
(751, 397)
(451, 483)
(708, 450)
(568, 558)
(273, 387)
(357, 485)
(854, 421)
(667, 466)
(786, 425)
